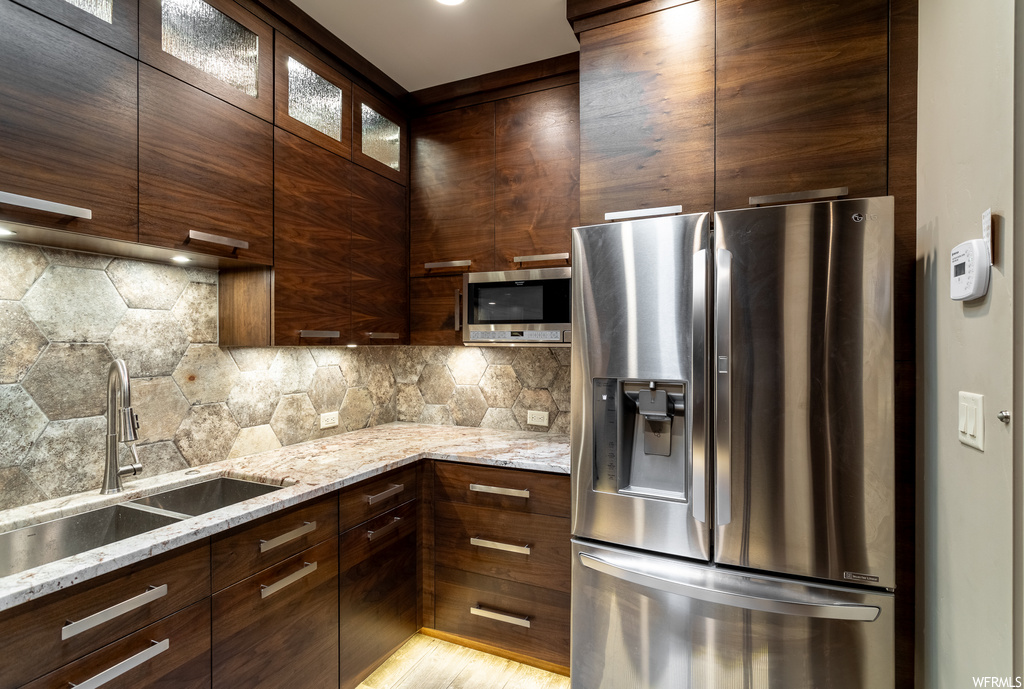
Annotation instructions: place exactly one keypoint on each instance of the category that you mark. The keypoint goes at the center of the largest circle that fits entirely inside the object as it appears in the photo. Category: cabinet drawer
(376, 496)
(496, 612)
(506, 489)
(172, 653)
(47, 633)
(241, 553)
(528, 548)
(279, 628)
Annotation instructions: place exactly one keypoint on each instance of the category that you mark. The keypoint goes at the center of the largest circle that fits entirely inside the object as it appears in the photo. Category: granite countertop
(306, 470)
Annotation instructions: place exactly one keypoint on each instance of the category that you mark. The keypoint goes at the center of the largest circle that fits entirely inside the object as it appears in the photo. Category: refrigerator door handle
(721, 364)
(698, 438)
(782, 606)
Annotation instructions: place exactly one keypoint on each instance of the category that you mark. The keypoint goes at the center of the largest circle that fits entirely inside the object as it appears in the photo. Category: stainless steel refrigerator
(732, 450)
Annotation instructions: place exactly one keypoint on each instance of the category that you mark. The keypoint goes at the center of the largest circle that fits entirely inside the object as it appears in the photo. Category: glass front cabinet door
(379, 137)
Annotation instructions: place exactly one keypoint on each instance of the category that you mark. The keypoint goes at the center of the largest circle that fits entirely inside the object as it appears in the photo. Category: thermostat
(969, 270)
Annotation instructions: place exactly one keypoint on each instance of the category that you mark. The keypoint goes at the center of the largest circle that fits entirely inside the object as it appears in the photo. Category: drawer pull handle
(514, 492)
(234, 244)
(124, 666)
(384, 530)
(518, 620)
(333, 334)
(497, 545)
(447, 264)
(270, 589)
(44, 205)
(307, 527)
(395, 489)
(540, 257)
(74, 628)
(382, 336)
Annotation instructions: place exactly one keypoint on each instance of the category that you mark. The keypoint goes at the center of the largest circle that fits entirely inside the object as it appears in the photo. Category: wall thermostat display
(970, 264)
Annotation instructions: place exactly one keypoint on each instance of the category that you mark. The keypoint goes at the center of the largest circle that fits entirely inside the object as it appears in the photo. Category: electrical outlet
(537, 418)
(329, 420)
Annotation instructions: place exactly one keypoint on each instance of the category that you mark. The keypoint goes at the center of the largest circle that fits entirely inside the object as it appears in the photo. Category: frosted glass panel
(381, 138)
(104, 9)
(208, 39)
(313, 100)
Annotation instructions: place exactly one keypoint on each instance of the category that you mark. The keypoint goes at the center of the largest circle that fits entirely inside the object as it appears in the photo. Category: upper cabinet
(536, 196)
(216, 46)
(801, 98)
(452, 194)
(379, 138)
(647, 112)
(68, 122)
(206, 173)
(311, 99)
(114, 22)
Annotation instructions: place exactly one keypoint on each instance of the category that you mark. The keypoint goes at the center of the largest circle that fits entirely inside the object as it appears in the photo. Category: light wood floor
(427, 663)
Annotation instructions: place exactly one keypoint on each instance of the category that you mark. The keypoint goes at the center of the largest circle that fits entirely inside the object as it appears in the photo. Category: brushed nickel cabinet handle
(496, 490)
(793, 196)
(541, 257)
(307, 527)
(270, 589)
(643, 213)
(518, 620)
(216, 239)
(320, 333)
(124, 666)
(447, 264)
(383, 336)
(497, 545)
(44, 205)
(74, 628)
(384, 530)
(395, 489)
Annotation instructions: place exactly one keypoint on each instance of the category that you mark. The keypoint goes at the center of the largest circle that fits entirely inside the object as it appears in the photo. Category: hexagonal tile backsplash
(65, 315)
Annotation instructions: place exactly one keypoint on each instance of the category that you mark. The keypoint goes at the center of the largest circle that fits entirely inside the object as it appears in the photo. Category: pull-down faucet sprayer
(122, 424)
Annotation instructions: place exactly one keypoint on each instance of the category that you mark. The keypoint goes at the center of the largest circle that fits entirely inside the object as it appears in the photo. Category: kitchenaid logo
(857, 576)
(998, 682)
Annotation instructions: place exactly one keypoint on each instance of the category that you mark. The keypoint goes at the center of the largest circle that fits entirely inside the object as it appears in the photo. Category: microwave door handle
(458, 311)
(698, 438)
(722, 364)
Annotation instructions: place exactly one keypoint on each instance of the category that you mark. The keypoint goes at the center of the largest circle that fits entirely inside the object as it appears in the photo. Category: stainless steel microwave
(517, 307)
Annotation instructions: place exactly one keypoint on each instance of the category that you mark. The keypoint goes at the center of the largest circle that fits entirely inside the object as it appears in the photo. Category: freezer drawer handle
(124, 666)
(514, 492)
(74, 628)
(267, 590)
(519, 621)
(44, 205)
(393, 490)
(307, 527)
(781, 606)
(497, 545)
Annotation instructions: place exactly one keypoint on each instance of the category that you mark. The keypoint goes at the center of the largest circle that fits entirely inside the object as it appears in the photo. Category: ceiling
(422, 43)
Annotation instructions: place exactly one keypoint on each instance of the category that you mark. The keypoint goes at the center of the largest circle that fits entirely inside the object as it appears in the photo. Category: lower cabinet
(279, 627)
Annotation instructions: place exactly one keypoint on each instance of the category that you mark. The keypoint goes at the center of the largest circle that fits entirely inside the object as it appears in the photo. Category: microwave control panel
(516, 336)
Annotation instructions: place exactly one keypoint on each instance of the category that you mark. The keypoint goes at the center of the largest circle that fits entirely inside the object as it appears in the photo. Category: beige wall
(966, 498)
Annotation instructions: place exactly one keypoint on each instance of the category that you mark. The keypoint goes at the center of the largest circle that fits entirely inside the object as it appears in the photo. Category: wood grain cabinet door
(204, 167)
(312, 244)
(69, 127)
(452, 195)
(435, 310)
(113, 22)
(647, 112)
(802, 98)
(536, 194)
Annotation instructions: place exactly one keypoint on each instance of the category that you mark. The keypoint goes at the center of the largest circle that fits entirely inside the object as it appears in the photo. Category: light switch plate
(971, 419)
(537, 418)
(329, 420)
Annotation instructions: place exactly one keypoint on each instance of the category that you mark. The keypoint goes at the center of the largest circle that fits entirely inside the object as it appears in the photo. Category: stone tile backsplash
(64, 316)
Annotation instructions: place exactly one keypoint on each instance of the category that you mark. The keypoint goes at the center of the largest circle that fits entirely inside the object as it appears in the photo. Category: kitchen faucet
(122, 424)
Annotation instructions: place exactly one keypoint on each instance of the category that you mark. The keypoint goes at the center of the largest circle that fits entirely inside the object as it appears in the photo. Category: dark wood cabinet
(452, 194)
(279, 627)
(205, 167)
(435, 310)
(801, 98)
(647, 112)
(68, 122)
(536, 197)
(115, 24)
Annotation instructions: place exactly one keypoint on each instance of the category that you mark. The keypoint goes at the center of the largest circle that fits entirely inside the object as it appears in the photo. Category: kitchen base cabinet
(378, 591)
(173, 653)
(279, 627)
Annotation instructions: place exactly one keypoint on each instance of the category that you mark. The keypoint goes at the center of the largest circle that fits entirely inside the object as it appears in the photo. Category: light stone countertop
(307, 470)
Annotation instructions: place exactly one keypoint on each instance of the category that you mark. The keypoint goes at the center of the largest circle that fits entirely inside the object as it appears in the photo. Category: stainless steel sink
(32, 546)
(200, 498)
